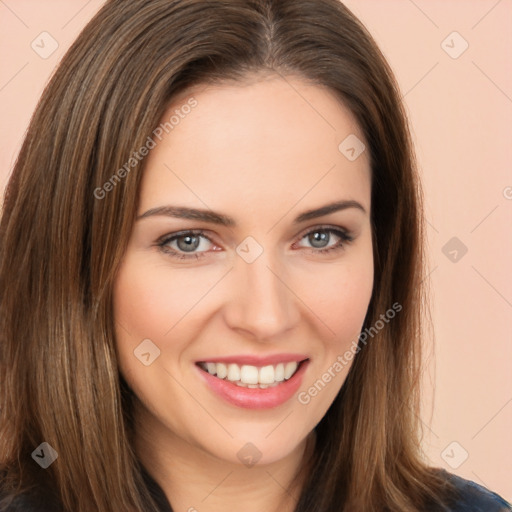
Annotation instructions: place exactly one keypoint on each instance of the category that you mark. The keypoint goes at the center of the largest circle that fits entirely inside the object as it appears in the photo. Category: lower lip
(255, 398)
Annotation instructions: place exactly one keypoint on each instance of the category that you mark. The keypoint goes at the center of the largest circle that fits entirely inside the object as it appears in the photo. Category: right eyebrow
(180, 212)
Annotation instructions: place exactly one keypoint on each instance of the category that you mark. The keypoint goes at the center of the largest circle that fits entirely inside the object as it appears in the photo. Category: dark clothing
(475, 498)
(472, 498)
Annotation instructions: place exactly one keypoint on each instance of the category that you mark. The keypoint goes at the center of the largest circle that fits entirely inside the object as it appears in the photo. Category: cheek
(350, 304)
(152, 302)
(149, 301)
(339, 295)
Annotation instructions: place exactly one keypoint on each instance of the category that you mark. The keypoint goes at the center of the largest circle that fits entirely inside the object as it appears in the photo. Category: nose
(262, 303)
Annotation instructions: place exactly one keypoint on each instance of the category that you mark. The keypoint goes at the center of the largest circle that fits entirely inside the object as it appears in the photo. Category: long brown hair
(61, 246)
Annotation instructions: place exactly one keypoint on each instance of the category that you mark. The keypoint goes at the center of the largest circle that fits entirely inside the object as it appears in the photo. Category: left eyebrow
(219, 218)
(328, 208)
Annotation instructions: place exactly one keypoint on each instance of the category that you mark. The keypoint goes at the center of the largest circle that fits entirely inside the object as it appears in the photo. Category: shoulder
(35, 501)
(18, 504)
(472, 497)
(25, 504)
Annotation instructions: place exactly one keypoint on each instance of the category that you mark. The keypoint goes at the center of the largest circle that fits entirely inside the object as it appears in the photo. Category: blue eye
(185, 243)
(195, 244)
(320, 238)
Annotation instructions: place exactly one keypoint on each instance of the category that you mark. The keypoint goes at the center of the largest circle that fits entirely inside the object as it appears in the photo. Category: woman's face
(234, 277)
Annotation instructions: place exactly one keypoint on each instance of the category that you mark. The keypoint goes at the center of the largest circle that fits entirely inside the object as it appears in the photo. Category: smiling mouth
(248, 376)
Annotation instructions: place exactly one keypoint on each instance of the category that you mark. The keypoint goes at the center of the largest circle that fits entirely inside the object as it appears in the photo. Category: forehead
(255, 144)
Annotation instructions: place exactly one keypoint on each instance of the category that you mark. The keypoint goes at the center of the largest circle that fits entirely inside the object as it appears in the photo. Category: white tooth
(212, 368)
(241, 384)
(249, 374)
(233, 372)
(222, 370)
(253, 386)
(266, 375)
(263, 386)
(279, 373)
(289, 369)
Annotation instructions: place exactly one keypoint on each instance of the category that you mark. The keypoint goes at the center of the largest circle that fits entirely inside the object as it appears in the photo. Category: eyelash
(344, 236)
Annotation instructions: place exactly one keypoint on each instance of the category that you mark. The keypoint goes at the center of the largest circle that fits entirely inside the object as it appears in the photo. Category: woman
(210, 272)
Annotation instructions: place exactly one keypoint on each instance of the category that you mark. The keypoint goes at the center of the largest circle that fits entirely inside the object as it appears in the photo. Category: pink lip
(257, 360)
(255, 398)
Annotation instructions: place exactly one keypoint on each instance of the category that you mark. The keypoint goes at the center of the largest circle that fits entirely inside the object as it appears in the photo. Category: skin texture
(262, 151)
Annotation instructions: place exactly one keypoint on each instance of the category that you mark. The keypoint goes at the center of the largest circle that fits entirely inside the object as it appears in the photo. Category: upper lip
(256, 360)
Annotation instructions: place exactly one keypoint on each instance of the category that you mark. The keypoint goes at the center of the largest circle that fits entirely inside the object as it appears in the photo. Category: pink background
(461, 113)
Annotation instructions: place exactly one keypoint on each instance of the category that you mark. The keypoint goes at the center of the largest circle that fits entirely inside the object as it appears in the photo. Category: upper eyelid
(195, 232)
(324, 227)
